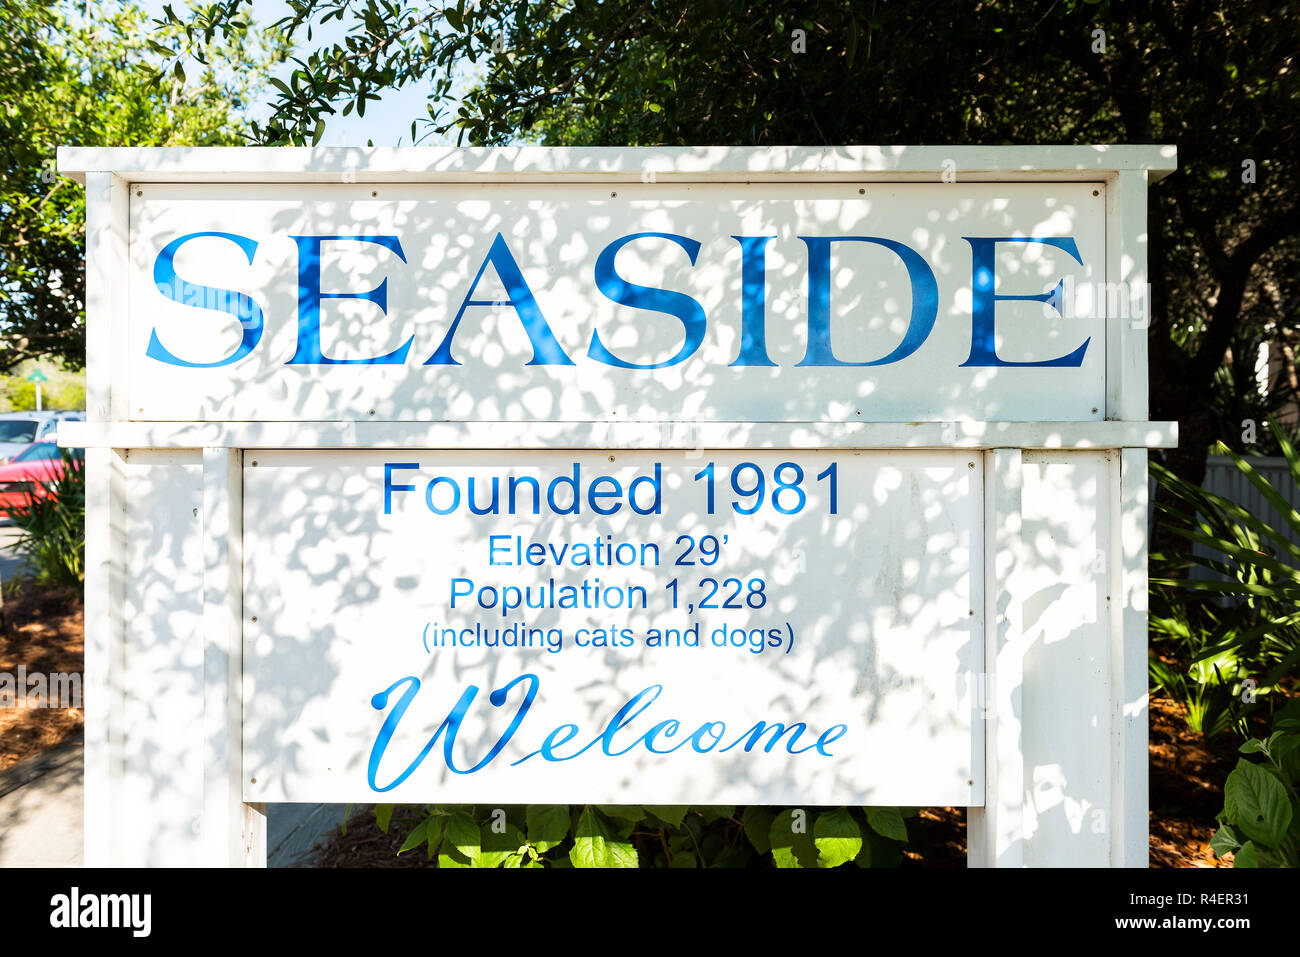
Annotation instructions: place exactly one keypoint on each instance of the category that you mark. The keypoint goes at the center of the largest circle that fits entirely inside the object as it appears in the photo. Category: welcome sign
(773, 477)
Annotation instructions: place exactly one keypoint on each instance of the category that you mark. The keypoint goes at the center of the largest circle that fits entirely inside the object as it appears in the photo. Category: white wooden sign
(814, 637)
(785, 476)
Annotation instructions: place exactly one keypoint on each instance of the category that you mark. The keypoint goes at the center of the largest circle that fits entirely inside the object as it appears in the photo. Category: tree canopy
(1217, 78)
(66, 80)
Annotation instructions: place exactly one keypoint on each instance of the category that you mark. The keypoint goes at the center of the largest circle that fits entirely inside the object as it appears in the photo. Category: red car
(22, 478)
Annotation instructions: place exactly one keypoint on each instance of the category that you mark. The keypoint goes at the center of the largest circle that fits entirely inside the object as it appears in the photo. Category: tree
(1217, 78)
(70, 79)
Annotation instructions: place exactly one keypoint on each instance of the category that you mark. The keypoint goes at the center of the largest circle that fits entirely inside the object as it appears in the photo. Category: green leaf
(449, 858)
(594, 845)
(498, 849)
(887, 822)
(671, 814)
(454, 19)
(837, 837)
(1283, 743)
(628, 812)
(548, 825)
(463, 833)
(1246, 856)
(757, 821)
(417, 836)
(383, 814)
(1225, 841)
(434, 835)
(731, 856)
(716, 812)
(867, 855)
(1257, 804)
(791, 848)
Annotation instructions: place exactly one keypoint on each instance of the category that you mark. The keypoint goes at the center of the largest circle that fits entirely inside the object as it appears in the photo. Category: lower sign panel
(771, 627)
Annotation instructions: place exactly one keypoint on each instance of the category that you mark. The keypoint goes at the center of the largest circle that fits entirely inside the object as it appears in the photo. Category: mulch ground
(1186, 788)
(44, 631)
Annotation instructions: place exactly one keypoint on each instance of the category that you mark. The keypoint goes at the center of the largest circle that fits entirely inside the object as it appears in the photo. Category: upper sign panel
(654, 302)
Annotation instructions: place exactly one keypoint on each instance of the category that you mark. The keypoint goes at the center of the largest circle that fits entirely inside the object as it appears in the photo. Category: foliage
(1210, 689)
(1260, 821)
(67, 79)
(53, 524)
(1251, 562)
(1240, 409)
(560, 835)
(64, 388)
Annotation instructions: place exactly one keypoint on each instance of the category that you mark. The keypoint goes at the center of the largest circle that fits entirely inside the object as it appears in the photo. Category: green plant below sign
(1260, 821)
(561, 835)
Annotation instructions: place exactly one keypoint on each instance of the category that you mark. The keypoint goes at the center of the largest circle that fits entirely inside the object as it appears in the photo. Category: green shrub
(1209, 689)
(53, 540)
(561, 835)
(1236, 651)
(1260, 820)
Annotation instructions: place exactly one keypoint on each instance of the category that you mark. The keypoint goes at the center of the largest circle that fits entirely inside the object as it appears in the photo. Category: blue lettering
(390, 488)
(686, 309)
(546, 349)
(753, 301)
(777, 729)
(242, 307)
(447, 730)
(925, 301)
(668, 729)
(833, 733)
(310, 296)
(553, 740)
(594, 495)
(698, 744)
(455, 495)
(983, 348)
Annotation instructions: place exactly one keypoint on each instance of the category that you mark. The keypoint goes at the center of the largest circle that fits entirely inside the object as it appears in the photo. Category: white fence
(1222, 477)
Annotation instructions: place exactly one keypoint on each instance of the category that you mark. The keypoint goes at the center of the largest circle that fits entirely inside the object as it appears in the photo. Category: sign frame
(1042, 806)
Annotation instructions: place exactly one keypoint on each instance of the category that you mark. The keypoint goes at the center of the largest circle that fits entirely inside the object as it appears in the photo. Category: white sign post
(677, 476)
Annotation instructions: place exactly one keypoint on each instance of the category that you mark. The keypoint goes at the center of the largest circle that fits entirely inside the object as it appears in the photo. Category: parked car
(21, 480)
(20, 429)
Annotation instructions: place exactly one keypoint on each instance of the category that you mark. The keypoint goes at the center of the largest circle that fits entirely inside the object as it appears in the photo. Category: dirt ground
(1186, 789)
(45, 632)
